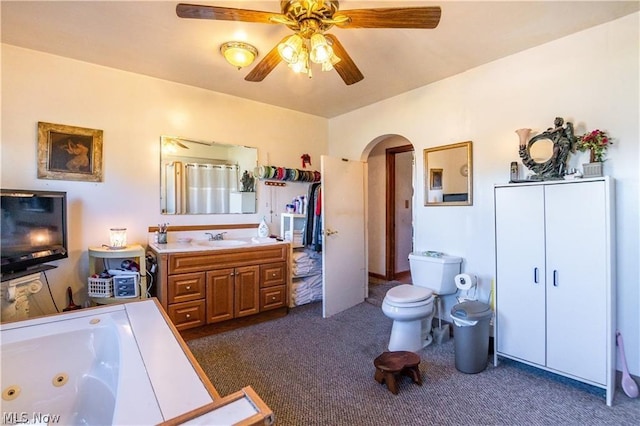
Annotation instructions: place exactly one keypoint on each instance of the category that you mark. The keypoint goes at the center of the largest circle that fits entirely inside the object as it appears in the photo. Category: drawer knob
(273, 298)
(188, 315)
(274, 274)
(188, 287)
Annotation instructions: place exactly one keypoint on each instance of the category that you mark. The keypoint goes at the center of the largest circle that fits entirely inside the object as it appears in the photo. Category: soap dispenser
(263, 228)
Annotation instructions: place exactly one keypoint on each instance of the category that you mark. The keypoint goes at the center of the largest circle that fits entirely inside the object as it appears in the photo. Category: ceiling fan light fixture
(329, 63)
(302, 64)
(320, 49)
(238, 54)
(291, 49)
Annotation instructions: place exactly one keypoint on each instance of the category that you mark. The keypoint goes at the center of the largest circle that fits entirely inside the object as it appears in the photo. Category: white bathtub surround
(119, 364)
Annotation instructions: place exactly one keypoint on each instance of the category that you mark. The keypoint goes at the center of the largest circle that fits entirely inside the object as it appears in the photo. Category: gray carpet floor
(315, 371)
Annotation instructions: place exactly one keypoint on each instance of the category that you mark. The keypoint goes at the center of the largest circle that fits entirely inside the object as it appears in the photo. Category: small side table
(390, 364)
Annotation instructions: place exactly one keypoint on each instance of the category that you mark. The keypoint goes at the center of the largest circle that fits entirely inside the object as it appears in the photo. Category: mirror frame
(435, 175)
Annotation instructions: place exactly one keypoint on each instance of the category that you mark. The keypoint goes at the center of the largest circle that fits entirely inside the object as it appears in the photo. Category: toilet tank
(435, 273)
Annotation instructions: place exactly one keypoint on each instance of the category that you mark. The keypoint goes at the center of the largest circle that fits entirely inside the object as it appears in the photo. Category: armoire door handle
(555, 278)
(535, 275)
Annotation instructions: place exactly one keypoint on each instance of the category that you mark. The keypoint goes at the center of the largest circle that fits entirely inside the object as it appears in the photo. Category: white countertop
(204, 245)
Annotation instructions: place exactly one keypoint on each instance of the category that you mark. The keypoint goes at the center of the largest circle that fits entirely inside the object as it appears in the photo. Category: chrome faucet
(216, 237)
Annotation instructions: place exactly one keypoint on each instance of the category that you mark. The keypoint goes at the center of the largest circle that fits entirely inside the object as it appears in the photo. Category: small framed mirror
(448, 176)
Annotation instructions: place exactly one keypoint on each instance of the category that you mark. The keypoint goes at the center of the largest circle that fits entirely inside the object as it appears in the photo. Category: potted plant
(597, 142)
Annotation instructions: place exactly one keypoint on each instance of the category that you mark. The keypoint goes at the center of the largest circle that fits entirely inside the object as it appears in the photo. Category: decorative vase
(592, 169)
(523, 135)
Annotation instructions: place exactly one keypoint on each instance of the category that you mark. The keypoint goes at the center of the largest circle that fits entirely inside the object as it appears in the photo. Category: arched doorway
(390, 161)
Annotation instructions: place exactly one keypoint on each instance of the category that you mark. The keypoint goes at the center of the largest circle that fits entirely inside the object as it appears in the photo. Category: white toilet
(411, 307)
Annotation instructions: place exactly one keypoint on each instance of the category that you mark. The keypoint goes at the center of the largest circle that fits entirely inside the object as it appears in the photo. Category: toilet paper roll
(465, 281)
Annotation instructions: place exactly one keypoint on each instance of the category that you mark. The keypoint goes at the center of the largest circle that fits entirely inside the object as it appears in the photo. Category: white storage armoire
(555, 284)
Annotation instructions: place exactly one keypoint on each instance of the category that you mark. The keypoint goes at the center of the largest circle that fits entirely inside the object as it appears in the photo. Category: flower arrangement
(597, 141)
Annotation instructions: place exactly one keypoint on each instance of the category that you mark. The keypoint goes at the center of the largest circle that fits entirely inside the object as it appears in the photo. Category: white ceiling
(147, 37)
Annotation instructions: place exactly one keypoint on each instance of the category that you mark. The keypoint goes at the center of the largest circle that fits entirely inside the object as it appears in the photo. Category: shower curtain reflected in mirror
(196, 188)
(208, 187)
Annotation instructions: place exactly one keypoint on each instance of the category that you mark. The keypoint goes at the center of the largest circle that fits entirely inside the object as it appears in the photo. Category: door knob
(328, 232)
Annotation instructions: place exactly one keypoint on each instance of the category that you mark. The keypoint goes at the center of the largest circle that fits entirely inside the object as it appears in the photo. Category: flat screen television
(33, 228)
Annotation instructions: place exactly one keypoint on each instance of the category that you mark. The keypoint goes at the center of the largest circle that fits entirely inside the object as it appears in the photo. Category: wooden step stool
(390, 364)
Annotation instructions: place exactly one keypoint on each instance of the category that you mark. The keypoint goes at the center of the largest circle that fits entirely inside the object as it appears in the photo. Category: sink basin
(222, 243)
(262, 240)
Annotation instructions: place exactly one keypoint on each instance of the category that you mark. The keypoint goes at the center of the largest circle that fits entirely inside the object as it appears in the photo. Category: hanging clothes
(312, 236)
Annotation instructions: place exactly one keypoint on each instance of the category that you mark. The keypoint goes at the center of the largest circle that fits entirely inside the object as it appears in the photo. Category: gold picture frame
(435, 178)
(69, 153)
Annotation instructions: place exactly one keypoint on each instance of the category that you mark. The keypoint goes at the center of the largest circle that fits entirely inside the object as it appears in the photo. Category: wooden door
(220, 295)
(344, 265)
(577, 289)
(520, 273)
(247, 291)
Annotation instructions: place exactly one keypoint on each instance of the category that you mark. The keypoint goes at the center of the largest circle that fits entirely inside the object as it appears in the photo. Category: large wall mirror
(198, 177)
(448, 177)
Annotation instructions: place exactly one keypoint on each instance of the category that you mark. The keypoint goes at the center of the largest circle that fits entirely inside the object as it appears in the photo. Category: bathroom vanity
(207, 284)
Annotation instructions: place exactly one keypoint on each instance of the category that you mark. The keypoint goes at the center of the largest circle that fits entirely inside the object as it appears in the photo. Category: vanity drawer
(228, 258)
(273, 297)
(273, 274)
(186, 287)
(187, 314)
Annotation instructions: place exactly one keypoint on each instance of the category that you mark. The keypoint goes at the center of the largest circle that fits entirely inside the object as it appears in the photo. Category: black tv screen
(34, 228)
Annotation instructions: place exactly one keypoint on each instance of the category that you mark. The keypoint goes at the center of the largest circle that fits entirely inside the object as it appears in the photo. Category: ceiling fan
(309, 20)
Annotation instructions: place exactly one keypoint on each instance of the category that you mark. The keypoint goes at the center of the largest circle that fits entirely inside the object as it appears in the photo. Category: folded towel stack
(307, 271)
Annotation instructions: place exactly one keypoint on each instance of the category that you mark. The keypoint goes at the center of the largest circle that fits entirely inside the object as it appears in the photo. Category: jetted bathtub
(118, 364)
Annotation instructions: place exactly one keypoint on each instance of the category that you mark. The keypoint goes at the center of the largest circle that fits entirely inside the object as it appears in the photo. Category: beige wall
(133, 111)
(589, 78)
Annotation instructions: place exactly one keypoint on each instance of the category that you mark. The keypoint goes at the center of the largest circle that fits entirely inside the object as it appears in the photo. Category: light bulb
(290, 49)
(320, 50)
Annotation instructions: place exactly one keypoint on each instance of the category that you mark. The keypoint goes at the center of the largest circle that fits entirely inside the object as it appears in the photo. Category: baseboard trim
(377, 276)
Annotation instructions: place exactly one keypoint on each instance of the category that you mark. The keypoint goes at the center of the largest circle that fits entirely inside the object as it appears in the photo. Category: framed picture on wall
(435, 179)
(69, 153)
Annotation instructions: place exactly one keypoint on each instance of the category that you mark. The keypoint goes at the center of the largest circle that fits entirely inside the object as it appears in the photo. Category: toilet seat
(407, 296)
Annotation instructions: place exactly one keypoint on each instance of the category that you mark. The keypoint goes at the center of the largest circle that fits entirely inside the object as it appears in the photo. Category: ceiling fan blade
(398, 17)
(266, 65)
(346, 67)
(184, 10)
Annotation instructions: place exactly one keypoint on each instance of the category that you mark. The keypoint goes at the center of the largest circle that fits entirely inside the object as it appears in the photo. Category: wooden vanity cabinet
(213, 286)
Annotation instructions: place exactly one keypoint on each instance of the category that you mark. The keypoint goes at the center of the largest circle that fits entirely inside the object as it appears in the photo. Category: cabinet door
(577, 285)
(247, 291)
(520, 290)
(220, 295)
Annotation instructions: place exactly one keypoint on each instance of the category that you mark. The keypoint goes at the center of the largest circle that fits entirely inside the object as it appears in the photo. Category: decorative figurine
(306, 160)
(248, 182)
(563, 139)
